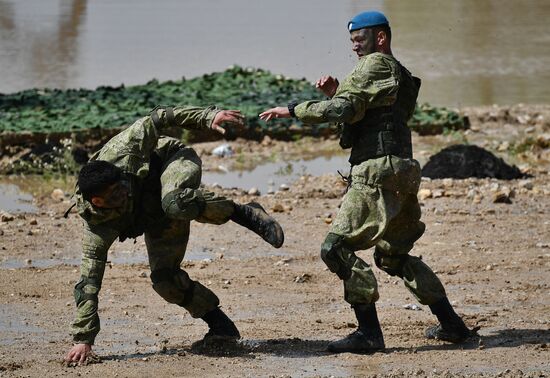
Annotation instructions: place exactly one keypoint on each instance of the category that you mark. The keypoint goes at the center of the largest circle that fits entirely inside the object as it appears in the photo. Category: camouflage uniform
(163, 177)
(380, 208)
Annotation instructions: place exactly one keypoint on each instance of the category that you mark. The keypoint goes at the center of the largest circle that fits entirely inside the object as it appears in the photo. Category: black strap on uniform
(170, 119)
(66, 214)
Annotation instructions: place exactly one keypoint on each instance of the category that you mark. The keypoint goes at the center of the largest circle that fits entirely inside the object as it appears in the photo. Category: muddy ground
(488, 241)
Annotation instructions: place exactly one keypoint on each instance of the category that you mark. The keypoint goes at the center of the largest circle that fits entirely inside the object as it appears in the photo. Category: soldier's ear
(381, 37)
(98, 201)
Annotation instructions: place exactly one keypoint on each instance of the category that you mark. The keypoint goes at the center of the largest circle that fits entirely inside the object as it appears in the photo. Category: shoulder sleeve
(372, 83)
(131, 148)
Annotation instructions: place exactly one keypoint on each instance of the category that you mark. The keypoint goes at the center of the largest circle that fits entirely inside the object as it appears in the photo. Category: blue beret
(367, 20)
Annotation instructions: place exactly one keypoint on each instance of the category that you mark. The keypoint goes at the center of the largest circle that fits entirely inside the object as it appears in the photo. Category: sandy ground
(493, 258)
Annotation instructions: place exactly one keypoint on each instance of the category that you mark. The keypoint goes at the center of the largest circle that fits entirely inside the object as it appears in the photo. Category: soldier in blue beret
(380, 209)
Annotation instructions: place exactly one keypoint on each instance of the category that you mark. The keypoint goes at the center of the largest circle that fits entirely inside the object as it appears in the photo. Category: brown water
(468, 52)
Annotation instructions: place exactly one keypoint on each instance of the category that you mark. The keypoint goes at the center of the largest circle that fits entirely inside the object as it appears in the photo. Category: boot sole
(279, 239)
(356, 351)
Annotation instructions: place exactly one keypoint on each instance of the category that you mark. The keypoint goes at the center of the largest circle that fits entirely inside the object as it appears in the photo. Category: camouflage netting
(463, 161)
(431, 120)
(249, 90)
(41, 129)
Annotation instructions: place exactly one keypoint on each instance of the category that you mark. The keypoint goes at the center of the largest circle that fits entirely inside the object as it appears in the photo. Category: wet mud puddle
(13, 200)
(270, 176)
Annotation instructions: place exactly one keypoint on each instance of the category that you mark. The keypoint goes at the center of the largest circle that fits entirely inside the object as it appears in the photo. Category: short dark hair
(96, 176)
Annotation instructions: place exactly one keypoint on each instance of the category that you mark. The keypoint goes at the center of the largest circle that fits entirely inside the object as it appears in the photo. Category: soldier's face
(113, 197)
(362, 42)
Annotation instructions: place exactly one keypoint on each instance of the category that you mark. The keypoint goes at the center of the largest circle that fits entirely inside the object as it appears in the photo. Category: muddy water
(269, 177)
(468, 52)
(13, 200)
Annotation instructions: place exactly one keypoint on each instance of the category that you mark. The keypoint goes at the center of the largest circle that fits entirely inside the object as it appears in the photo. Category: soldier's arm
(96, 242)
(195, 118)
(371, 84)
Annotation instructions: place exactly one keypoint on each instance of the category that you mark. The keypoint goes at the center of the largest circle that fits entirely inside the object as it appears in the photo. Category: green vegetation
(247, 89)
(431, 120)
(53, 131)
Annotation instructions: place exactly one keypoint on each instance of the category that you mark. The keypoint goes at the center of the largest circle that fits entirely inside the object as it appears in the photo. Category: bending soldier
(141, 182)
(380, 208)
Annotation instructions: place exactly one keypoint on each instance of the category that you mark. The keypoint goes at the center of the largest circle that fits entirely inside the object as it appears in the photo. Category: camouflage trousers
(182, 201)
(380, 210)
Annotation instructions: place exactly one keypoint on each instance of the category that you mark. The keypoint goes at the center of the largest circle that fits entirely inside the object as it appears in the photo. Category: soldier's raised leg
(182, 198)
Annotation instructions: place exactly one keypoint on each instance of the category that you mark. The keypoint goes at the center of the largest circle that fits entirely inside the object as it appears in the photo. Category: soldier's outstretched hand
(278, 112)
(78, 354)
(328, 85)
(234, 117)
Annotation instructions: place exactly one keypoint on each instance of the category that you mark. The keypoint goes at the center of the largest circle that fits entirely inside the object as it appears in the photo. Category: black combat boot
(254, 217)
(451, 327)
(220, 325)
(367, 338)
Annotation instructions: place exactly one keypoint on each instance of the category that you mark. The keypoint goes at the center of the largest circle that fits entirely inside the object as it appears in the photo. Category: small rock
(284, 187)
(6, 217)
(223, 150)
(328, 220)
(1, 232)
(287, 208)
(543, 245)
(447, 182)
(145, 359)
(33, 222)
(437, 193)
(223, 169)
(494, 187)
(526, 184)
(504, 146)
(302, 278)
(424, 193)
(283, 262)
(254, 191)
(489, 267)
(270, 190)
(143, 275)
(412, 306)
(278, 208)
(28, 261)
(266, 141)
(530, 129)
(501, 197)
(57, 195)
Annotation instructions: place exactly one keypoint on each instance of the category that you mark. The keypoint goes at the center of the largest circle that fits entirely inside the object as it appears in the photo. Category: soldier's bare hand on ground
(234, 117)
(78, 354)
(328, 85)
(278, 112)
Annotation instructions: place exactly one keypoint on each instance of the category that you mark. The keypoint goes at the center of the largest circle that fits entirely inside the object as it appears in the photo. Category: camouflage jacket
(131, 150)
(371, 84)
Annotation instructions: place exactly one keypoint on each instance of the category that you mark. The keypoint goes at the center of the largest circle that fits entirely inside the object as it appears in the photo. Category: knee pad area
(174, 285)
(332, 253)
(185, 204)
(393, 265)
